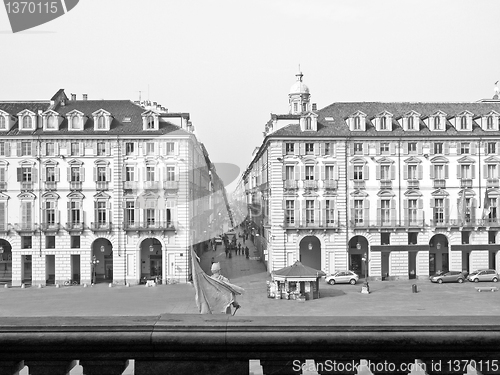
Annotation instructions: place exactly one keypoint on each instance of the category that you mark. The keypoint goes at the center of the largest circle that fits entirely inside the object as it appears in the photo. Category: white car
(218, 240)
(342, 277)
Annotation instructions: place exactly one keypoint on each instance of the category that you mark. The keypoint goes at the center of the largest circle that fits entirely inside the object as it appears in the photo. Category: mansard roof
(339, 112)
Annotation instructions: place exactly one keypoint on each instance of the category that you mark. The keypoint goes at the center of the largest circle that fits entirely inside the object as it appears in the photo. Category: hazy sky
(231, 63)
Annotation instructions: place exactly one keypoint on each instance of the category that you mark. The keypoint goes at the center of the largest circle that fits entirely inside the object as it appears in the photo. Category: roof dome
(299, 87)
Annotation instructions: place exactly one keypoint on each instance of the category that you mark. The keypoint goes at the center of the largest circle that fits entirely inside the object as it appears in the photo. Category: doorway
(50, 269)
(412, 265)
(26, 276)
(75, 268)
(385, 265)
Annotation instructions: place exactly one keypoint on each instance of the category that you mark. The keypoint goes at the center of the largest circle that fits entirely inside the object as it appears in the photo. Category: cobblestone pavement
(387, 298)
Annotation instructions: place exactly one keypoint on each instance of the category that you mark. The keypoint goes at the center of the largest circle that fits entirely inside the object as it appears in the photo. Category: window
(170, 173)
(412, 238)
(489, 123)
(308, 123)
(149, 214)
(50, 242)
(27, 122)
(329, 212)
(75, 149)
(3, 149)
(411, 123)
(101, 212)
(50, 213)
(75, 212)
(295, 107)
(465, 171)
(309, 148)
(129, 148)
(75, 242)
(75, 174)
(50, 174)
(50, 149)
(492, 203)
(463, 123)
(385, 211)
(150, 122)
(385, 238)
(150, 173)
(289, 148)
(26, 214)
(2, 122)
(25, 148)
(439, 210)
(289, 172)
(329, 172)
(101, 174)
(412, 211)
(358, 172)
(412, 147)
(309, 211)
(130, 212)
(170, 148)
(26, 242)
(385, 172)
(75, 122)
(304, 107)
(101, 148)
(328, 148)
(437, 123)
(358, 211)
(150, 148)
(101, 122)
(358, 148)
(290, 212)
(309, 172)
(357, 123)
(129, 173)
(439, 172)
(384, 147)
(464, 147)
(26, 174)
(491, 171)
(438, 147)
(51, 122)
(492, 149)
(412, 172)
(383, 123)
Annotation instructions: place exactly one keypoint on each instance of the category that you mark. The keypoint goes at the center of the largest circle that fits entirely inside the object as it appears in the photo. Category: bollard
(5, 286)
(127, 285)
(85, 285)
(414, 288)
(23, 286)
(57, 286)
(110, 285)
(39, 286)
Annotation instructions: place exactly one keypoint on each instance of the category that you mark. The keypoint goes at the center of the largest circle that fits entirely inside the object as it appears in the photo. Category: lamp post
(94, 262)
(365, 288)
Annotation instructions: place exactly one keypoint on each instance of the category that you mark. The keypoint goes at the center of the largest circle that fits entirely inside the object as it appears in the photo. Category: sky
(230, 63)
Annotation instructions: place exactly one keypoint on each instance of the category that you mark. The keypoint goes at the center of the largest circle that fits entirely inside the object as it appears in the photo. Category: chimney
(84, 96)
(314, 107)
(73, 96)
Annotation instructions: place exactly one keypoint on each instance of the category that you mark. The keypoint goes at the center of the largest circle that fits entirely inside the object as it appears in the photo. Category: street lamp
(310, 246)
(94, 262)
(151, 248)
(1, 249)
(102, 248)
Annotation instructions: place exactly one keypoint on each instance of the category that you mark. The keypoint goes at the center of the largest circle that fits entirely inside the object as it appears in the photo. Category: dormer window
(357, 123)
(102, 120)
(411, 123)
(27, 122)
(463, 123)
(309, 122)
(3, 123)
(150, 121)
(489, 123)
(383, 121)
(51, 122)
(75, 122)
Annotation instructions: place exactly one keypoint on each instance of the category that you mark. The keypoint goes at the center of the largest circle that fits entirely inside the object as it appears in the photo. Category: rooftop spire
(497, 91)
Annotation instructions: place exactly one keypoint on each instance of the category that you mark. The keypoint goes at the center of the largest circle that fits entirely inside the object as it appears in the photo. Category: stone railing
(222, 344)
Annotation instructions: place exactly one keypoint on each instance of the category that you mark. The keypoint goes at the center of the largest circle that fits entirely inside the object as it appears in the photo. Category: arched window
(75, 121)
(27, 122)
(308, 123)
(410, 122)
(383, 123)
(151, 122)
(51, 122)
(357, 123)
(489, 122)
(2, 122)
(101, 122)
(437, 123)
(463, 122)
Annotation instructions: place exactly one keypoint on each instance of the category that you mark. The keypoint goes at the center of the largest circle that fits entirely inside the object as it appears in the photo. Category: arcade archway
(102, 261)
(310, 252)
(438, 254)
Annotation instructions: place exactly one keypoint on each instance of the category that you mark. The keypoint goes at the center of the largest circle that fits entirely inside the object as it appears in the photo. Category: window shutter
(323, 172)
(68, 170)
(350, 169)
(7, 149)
(393, 211)
(283, 148)
(316, 212)
(2, 175)
(108, 148)
(82, 148)
(296, 150)
(432, 172)
(392, 147)
(419, 148)
(366, 149)
(43, 150)
(316, 147)
(366, 211)
(365, 172)
(44, 174)
(377, 147)
(82, 174)
(497, 148)
(94, 147)
(485, 149)
(296, 172)
(56, 148)
(283, 172)
(379, 212)
(432, 148)
(473, 205)
(322, 149)
(473, 171)
(34, 175)
(95, 174)
(485, 171)
(405, 148)
(420, 203)
(420, 172)
(18, 148)
(335, 172)
(446, 210)
(57, 174)
(377, 172)
(95, 212)
(302, 148)
(302, 172)
(393, 172)
(405, 172)
(322, 213)
(405, 212)
(458, 171)
(316, 172)
(19, 174)
(176, 173)
(446, 170)
(33, 148)
(473, 148)
(433, 203)
(351, 149)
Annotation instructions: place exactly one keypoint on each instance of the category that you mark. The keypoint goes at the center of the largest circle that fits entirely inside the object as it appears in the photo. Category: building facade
(389, 190)
(99, 190)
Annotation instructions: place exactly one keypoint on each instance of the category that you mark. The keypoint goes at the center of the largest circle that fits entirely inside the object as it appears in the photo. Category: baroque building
(104, 190)
(389, 190)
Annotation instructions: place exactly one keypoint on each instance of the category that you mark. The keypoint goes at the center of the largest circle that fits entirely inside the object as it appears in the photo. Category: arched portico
(310, 252)
(151, 252)
(438, 254)
(102, 260)
(5, 262)
(358, 251)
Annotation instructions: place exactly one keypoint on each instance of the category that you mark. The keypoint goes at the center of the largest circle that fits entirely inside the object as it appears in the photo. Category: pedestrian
(243, 240)
(239, 248)
(247, 251)
(227, 252)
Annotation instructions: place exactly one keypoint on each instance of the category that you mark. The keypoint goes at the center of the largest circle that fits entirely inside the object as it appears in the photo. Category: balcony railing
(170, 185)
(50, 185)
(302, 223)
(170, 344)
(494, 222)
(492, 183)
(74, 227)
(151, 185)
(310, 184)
(359, 184)
(75, 185)
(130, 185)
(290, 184)
(361, 223)
(330, 184)
(101, 185)
(413, 184)
(3, 186)
(25, 227)
(26, 185)
(149, 225)
(385, 184)
(50, 227)
(439, 184)
(101, 226)
(465, 183)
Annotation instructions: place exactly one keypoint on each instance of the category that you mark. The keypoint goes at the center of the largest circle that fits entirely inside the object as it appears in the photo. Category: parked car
(483, 275)
(448, 277)
(342, 277)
